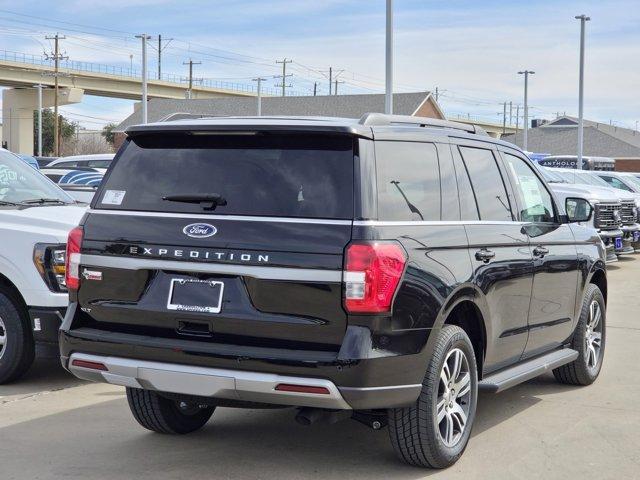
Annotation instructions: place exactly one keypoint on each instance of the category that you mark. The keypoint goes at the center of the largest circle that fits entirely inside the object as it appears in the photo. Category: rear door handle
(540, 251)
(484, 255)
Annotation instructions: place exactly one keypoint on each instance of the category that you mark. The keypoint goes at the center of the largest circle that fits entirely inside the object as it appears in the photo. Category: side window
(66, 164)
(487, 183)
(466, 197)
(533, 197)
(615, 183)
(99, 163)
(408, 178)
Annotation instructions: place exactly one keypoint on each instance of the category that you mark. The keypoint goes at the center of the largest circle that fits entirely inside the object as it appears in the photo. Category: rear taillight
(372, 274)
(72, 269)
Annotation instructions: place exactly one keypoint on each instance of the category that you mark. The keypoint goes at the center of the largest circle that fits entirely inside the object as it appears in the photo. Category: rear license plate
(618, 243)
(195, 295)
(636, 236)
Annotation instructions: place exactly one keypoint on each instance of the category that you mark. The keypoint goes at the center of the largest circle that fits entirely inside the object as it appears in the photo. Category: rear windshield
(262, 174)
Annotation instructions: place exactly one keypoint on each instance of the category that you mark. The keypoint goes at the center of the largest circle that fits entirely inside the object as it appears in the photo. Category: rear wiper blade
(43, 200)
(208, 201)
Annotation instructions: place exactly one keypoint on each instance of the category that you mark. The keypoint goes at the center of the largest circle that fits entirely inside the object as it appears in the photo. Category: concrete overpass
(23, 71)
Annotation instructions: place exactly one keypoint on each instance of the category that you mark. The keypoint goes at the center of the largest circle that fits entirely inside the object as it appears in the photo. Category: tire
(416, 435)
(163, 415)
(589, 339)
(17, 348)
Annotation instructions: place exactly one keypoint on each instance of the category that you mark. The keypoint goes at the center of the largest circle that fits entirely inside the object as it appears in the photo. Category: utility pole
(517, 118)
(388, 99)
(191, 63)
(57, 56)
(330, 79)
(160, 50)
(259, 80)
(583, 20)
(39, 87)
(437, 94)
(504, 118)
(315, 88)
(525, 131)
(510, 113)
(336, 82)
(144, 37)
(284, 75)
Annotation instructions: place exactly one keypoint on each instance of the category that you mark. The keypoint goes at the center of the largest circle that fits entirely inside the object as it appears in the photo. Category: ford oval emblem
(200, 230)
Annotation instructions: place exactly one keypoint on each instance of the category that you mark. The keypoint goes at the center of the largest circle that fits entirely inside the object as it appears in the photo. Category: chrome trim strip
(262, 272)
(379, 389)
(236, 218)
(207, 382)
(418, 223)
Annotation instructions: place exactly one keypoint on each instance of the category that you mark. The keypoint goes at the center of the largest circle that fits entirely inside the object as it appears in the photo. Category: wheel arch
(467, 309)
(598, 277)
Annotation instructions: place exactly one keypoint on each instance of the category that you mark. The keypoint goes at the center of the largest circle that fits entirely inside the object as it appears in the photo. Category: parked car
(35, 219)
(80, 184)
(44, 161)
(384, 269)
(607, 216)
(99, 161)
(29, 159)
(621, 180)
(629, 200)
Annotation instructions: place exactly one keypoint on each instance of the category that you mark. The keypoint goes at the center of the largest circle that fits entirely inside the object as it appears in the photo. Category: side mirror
(578, 210)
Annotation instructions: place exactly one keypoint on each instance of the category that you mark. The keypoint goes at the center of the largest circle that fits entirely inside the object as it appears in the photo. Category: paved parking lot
(52, 426)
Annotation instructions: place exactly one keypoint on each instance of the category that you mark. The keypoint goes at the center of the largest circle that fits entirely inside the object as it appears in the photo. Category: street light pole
(583, 20)
(39, 87)
(259, 90)
(144, 37)
(388, 98)
(525, 132)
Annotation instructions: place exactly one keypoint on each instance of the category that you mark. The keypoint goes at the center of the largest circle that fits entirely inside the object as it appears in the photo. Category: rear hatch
(225, 238)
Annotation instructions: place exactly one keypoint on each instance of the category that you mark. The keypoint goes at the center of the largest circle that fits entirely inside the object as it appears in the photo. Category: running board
(522, 372)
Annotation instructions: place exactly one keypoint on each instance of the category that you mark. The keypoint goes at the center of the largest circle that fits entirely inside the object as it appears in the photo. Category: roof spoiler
(382, 119)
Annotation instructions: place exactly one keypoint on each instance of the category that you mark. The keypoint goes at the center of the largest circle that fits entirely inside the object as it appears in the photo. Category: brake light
(72, 269)
(372, 274)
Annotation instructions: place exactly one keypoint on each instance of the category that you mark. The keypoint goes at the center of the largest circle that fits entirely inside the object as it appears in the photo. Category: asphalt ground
(53, 426)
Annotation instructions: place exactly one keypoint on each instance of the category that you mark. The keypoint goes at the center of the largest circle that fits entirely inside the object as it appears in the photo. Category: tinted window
(99, 163)
(66, 164)
(534, 199)
(408, 181)
(272, 175)
(466, 197)
(615, 183)
(487, 183)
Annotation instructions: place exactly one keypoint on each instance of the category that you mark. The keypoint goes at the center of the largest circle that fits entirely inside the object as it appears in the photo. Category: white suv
(35, 219)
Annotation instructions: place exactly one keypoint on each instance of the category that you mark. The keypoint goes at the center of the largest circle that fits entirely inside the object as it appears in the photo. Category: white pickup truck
(35, 219)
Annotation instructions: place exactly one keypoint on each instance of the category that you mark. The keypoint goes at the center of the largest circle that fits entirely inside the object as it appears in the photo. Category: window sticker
(113, 197)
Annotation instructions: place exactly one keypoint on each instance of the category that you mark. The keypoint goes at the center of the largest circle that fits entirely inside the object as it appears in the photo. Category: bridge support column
(18, 105)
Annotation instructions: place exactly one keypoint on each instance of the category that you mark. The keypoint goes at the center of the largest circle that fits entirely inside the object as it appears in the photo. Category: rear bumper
(235, 384)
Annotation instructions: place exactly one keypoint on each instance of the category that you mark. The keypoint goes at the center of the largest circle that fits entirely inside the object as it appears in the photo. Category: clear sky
(470, 50)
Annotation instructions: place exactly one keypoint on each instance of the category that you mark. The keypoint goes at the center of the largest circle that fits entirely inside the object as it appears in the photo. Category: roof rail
(379, 119)
(182, 116)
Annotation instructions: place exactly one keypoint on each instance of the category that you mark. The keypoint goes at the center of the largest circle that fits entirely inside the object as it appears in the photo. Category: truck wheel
(589, 340)
(17, 348)
(163, 415)
(435, 430)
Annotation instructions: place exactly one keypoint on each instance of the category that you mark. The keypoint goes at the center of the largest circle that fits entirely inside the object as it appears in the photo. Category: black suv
(384, 269)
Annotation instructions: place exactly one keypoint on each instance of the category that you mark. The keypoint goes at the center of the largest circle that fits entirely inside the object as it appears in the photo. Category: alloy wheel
(593, 336)
(3, 338)
(454, 397)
